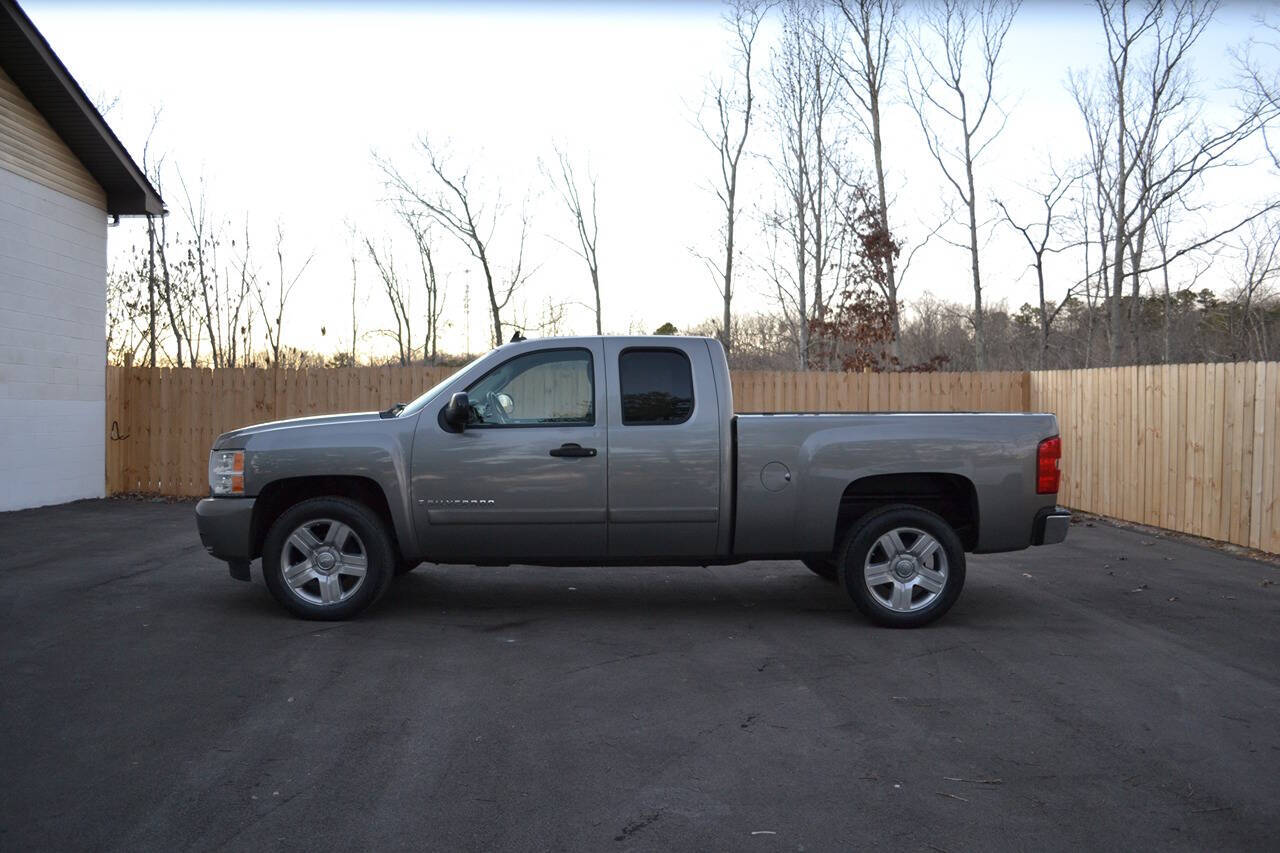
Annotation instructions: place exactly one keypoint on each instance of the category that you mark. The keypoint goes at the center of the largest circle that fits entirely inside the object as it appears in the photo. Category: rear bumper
(1050, 526)
(225, 525)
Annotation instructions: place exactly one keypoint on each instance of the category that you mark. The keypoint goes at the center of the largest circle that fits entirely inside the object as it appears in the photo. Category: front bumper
(1050, 526)
(225, 526)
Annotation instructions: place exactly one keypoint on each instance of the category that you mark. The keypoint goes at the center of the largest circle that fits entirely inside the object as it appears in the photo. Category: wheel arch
(277, 496)
(951, 496)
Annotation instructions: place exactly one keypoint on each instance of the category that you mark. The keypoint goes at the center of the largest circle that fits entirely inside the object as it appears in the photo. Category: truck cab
(579, 450)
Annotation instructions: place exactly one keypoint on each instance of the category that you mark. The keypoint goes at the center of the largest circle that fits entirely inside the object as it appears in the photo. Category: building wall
(30, 147)
(53, 264)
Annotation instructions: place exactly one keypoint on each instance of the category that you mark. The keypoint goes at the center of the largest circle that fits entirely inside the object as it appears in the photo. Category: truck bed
(795, 470)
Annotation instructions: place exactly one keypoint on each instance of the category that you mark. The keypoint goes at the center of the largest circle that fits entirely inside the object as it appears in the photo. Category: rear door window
(656, 387)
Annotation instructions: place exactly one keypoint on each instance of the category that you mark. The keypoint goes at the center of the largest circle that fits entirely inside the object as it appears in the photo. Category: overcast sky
(281, 107)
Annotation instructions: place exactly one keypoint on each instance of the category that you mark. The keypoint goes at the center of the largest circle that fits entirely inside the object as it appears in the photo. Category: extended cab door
(664, 449)
(525, 480)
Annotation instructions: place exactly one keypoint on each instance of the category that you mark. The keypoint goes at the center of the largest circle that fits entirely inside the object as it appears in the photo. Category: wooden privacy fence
(819, 391)
(1187, 447)
(1193, 448)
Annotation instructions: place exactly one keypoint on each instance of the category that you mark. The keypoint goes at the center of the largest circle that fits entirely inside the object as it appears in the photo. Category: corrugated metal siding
(29, 147)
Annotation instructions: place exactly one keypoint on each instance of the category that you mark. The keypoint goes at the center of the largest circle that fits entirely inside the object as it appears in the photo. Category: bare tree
(435, 304)
(397, 297)
(239, 333)
(150, 169)
(273, 309)
(1259, 72)
(1259, 253)
(734, 109)
(355, 315)
(172, 281)
(177, 295)
(809, 225)
(1037, 236)
(127, 314)
(1151, 147)
(203, 248)
(863, 68)
(585, 219)
(949, 86)
(453, 203)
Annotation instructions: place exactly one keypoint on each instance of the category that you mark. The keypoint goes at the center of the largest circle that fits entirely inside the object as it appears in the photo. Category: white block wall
(53, 268)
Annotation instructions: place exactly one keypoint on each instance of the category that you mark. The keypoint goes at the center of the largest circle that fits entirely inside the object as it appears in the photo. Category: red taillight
(1048, 455)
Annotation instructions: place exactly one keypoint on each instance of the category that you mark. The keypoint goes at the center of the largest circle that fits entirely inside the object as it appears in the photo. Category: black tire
(862, 540)
(373, 538)
(823, 567)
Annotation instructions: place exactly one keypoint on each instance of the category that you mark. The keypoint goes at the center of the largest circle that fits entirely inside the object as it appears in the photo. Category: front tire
(903, 566)
(328, 558)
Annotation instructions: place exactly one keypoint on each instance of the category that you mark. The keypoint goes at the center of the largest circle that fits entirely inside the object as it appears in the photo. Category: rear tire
(328, 558)
(903, 566)
(824, 567)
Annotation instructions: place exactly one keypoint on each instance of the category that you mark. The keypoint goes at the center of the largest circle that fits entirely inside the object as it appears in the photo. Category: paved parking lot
(1120, 690)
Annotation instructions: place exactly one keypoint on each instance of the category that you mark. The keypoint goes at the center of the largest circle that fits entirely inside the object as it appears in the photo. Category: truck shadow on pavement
(776, 592)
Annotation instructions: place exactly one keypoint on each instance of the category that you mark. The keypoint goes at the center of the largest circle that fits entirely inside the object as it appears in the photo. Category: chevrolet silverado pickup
(606, 451)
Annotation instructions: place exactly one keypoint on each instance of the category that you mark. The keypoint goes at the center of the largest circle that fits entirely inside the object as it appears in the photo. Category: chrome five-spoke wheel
(323, 561)
(902, 565)
(906, 569)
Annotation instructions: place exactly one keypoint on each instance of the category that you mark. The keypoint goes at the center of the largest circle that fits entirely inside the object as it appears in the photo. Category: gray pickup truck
(626, 451)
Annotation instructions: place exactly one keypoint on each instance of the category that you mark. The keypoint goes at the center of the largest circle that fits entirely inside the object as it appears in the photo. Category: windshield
(416, 405)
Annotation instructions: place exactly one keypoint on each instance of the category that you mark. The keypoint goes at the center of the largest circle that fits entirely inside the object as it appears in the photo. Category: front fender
(378, 450)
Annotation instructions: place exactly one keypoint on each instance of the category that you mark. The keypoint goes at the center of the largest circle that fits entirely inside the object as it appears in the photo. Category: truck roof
(651, 340)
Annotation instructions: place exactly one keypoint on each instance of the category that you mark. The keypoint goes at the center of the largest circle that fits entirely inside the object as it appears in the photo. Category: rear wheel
(903, 566)
(824, 567)
(328, 558)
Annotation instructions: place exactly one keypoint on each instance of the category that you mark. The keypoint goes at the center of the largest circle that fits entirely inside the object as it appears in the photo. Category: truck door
(525, 480)
(664, 450)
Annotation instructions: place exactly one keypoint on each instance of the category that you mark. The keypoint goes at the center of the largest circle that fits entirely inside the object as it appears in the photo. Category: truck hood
(236, 438)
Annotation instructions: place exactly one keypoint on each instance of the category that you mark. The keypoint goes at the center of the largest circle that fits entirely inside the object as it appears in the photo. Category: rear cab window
(656, 386)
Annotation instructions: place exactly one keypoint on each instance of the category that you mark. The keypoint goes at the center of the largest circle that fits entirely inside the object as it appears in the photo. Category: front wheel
(903, 566)
(328, 558)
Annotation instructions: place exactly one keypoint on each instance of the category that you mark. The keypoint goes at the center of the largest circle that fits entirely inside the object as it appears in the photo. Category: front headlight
(226, 472)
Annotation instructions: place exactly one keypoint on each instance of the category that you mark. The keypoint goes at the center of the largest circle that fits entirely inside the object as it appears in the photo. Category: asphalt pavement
(1121, 690)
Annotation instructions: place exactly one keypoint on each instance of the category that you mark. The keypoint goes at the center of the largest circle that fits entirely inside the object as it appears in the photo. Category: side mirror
(457, 412)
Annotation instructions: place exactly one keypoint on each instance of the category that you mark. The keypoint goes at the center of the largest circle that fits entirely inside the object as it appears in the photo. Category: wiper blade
(393, 411)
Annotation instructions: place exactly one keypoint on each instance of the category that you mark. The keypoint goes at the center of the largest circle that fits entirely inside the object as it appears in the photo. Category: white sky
(281, 106)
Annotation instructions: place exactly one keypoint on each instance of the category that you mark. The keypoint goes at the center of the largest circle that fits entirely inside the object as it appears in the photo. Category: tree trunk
(354, 283)
(877, 148)
(731, 221)
(1135, 296)
(595, 284)
(151, 289)
(1116, 294)
(1168, 307)
(979, 343)
(493, 298)
(802, 269)
(168, 290)
(1044, 316)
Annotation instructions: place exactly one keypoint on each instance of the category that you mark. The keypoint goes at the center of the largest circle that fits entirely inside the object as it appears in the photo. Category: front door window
(548, 387)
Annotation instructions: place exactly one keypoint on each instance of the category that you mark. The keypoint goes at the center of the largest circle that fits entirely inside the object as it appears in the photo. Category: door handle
(573, 450)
